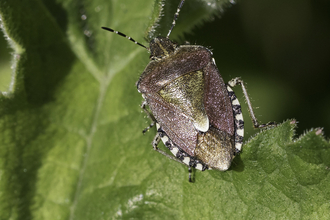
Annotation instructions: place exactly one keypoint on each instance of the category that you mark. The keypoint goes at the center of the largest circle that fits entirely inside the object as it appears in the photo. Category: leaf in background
(71, 128)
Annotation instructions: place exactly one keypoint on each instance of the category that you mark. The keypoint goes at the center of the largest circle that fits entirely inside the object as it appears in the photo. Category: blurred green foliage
(5, 64)
(71, 141)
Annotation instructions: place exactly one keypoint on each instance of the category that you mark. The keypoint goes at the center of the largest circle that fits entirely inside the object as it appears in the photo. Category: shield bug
(197, 115)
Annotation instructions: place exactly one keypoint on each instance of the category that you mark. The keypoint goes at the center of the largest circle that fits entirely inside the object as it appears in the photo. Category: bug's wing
(186, 93)
(190, 104)
(178, 127)
(217, 102)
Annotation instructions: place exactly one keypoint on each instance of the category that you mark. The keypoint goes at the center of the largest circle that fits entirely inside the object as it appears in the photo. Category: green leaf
(71, 127)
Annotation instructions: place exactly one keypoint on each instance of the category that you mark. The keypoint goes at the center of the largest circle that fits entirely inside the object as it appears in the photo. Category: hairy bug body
(190, 102)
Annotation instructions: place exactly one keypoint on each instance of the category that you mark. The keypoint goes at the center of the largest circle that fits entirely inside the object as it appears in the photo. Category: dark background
(281, 49)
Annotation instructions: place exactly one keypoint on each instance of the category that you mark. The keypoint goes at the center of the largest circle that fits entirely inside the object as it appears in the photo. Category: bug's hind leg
(155, 143)
(158, 138)
(190, 171)
(238, 81)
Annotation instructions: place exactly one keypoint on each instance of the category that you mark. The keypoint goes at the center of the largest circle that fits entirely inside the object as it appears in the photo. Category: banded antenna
(124, 35)
(176, 15)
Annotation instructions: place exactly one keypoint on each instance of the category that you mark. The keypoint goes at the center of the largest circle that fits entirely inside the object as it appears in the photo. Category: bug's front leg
(143, 106)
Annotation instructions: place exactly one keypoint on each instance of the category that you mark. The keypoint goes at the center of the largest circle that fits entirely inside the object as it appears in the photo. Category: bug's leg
(158, 136)
(156, 140)
(238, 81)
(189, 170)
(155, 143)
(143, 106)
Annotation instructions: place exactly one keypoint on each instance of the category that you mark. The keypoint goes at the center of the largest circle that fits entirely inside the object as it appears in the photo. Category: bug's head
(161, 47)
